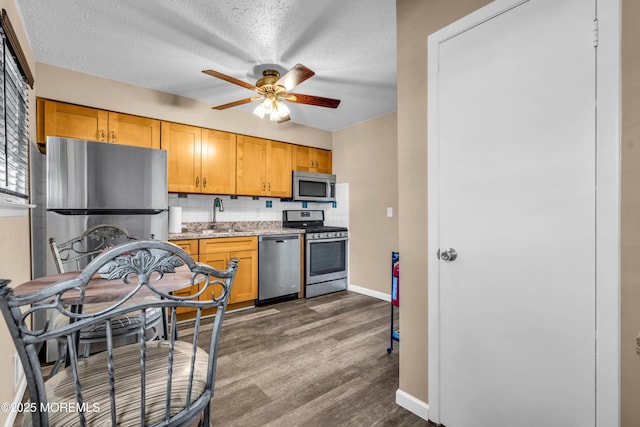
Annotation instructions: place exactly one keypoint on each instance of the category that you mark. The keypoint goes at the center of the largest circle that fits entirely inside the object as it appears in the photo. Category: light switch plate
(389, 212)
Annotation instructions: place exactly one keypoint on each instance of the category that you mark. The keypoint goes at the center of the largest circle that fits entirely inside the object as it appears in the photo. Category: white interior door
(515, 197)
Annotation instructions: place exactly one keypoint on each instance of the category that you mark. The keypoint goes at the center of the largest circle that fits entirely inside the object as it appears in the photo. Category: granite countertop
(203, 230)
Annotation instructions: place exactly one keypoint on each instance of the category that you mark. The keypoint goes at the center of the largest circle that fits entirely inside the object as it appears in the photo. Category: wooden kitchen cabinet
(218, 253)
(308, 159)
(218, 162)
(137, 131)
(70, 121)
(263, 167)
(183, 145)
(251, 166)
(199, 160)
(74, 121)
(190, 247)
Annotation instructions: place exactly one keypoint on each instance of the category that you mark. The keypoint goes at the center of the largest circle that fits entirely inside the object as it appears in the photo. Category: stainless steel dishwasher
(278, 267)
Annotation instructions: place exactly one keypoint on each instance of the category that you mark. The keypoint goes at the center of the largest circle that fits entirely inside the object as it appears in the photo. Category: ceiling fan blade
(312, 100)
(236, 103)
(230, 79)
(294, 77)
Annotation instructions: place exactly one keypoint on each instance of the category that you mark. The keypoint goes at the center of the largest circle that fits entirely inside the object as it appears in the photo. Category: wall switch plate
(389, 212)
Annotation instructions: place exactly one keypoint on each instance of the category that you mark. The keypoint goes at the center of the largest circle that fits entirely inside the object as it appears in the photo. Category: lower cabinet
(218, 253)
(190, 247)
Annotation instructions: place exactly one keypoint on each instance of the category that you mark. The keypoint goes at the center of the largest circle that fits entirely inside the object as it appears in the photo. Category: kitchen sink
(210, 231)
(215, 231)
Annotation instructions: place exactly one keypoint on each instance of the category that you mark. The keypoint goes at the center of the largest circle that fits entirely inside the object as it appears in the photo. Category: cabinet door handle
(113, 136)
(204, 182)
(269, 186)
(197, 181)
(264, 186)
(102, 135)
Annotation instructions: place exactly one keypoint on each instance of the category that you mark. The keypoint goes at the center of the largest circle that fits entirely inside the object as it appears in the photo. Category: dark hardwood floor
(309, 362)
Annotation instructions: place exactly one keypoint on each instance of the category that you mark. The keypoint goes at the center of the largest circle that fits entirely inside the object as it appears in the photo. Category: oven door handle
(334, 239)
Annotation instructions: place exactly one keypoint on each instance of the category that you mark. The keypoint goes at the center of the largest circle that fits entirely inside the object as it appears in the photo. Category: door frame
(607, 205)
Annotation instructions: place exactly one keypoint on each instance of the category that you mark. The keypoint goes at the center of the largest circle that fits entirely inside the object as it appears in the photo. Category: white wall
(365, 156)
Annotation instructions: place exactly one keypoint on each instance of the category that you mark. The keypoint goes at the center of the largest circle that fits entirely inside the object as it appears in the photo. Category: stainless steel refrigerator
(79, 184)
(91, 183)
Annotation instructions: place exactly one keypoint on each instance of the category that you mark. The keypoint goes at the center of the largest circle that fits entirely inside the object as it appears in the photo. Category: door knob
(449, 254)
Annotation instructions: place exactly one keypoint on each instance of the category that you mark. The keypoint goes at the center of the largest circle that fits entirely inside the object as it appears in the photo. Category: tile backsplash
(199, 208)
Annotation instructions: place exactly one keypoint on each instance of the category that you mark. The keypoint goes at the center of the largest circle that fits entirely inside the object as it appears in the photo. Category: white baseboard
(412, 404)
(369, 292)
(17, 399)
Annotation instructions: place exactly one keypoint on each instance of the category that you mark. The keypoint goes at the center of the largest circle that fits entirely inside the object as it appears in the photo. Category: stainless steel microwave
(314, 187)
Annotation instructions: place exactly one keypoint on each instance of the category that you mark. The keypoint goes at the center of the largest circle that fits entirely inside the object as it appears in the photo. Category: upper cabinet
(218, 162)
(75, 121)
(279, 169)
(183, 144)
(133, 130)
(200, 160)
(309, 159)
(263, 167)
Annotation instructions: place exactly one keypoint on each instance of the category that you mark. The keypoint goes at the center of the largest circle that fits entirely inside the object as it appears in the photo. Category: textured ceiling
(165, 44)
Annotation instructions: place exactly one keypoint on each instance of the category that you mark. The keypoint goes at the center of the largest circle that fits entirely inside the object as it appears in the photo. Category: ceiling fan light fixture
(264, 107)
(279, 112)
(272, 107)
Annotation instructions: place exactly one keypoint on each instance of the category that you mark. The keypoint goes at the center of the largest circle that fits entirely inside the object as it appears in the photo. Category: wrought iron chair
(161, 382)
(79, 251)
(75, 254)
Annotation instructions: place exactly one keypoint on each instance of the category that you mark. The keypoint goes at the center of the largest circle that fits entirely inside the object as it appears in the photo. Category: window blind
(14, 141)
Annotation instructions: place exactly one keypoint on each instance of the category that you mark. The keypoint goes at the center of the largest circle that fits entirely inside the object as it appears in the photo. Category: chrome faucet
(217, 202)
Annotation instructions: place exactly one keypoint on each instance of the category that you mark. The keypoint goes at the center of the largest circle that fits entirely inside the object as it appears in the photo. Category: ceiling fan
(272, 89)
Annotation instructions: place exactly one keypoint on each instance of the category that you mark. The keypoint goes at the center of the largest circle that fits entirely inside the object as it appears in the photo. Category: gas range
(315, 232)
(326, 251)
(312, 222)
